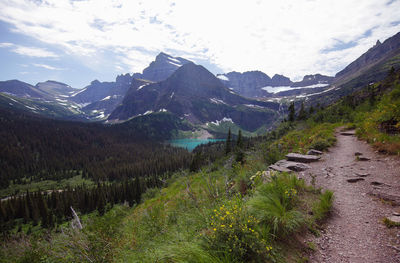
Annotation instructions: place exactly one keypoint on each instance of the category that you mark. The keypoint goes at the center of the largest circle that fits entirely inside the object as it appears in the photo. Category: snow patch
(172, 63)
(60, 100)
(148, 112)
(82, 90)
(217, 101)
(140, 87)
(31, 108)
(101, 115)
(319, 85)
(174, 60)
(217, 122)
(13, 100)
(106, 98)
(254, 106)
(276, 89)
(322, 92)
(172, 95)
(81, 105)
(223, 77)
(162, 110)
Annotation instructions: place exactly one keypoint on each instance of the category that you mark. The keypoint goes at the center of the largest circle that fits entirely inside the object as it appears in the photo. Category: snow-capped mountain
(256, 84)
(195, 94)
(162, 67)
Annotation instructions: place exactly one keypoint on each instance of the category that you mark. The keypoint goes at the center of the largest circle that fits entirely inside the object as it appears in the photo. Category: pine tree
(228, 145)
(239, 142)
(311, 110)
(291, 112)
(302, 112)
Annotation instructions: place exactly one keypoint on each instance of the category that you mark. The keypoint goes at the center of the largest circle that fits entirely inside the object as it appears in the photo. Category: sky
(78, 41)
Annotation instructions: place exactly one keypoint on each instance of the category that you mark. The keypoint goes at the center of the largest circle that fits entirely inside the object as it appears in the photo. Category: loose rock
(353, 180)
(314, 152)
(302, 158)
(363, 158)
(362, 174)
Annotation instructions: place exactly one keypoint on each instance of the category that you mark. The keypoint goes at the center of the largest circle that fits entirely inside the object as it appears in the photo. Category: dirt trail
(355, 232)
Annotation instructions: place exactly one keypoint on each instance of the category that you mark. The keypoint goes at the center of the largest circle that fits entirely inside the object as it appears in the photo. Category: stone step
(294, 166)
(302, 158)
(279, 168)
(348, 133)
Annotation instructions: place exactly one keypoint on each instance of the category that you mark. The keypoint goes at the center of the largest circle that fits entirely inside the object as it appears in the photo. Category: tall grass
(274, 204)
(323, 207)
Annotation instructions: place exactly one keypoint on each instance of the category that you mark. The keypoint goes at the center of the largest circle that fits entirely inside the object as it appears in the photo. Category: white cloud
(286, 37)
(47, 67)
(6, 44)
(29, 51)
(34, 52)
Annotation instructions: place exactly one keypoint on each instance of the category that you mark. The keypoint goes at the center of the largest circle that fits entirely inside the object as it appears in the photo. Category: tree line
(51, 208)
(34, 149)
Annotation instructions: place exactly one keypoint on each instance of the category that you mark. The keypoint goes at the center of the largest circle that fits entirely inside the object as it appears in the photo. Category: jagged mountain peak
(163, 67)
(373, 56)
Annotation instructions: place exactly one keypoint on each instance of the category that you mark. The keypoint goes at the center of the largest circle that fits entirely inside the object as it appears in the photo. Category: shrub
(273, 204)
(323, 207)
(320, 145)
(234, 232)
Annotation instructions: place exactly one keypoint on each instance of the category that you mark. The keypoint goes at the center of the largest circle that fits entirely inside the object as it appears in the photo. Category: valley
(179, 163)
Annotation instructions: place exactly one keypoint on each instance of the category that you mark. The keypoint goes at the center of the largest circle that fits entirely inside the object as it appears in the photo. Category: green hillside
(230, 210)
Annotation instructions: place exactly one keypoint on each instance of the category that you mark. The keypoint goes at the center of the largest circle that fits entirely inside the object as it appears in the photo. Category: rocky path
(355, 232)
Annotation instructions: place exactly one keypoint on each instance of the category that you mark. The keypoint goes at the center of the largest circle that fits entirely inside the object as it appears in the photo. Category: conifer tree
(302, 112)
(239, 142)
(291, 112)
(228, 145)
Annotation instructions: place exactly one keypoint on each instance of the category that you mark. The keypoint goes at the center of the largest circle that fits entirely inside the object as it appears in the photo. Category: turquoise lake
(190, 144)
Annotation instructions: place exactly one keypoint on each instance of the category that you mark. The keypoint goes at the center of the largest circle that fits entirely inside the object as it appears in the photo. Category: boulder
(314, 152)
(302, 158)
(294, 166)
(363, 158)
(357, 153)
(279, 168)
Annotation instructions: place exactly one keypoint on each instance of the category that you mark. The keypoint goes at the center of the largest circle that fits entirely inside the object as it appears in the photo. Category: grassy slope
(197, 218)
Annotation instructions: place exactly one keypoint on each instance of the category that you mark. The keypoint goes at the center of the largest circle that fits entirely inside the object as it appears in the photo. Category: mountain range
(249, 100)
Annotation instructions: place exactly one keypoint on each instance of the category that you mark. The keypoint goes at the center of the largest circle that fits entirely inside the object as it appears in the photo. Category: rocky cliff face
(381, 51)
(99, 90)
(248, 83)
(316, 80)
(162, 67)
(256, 84)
